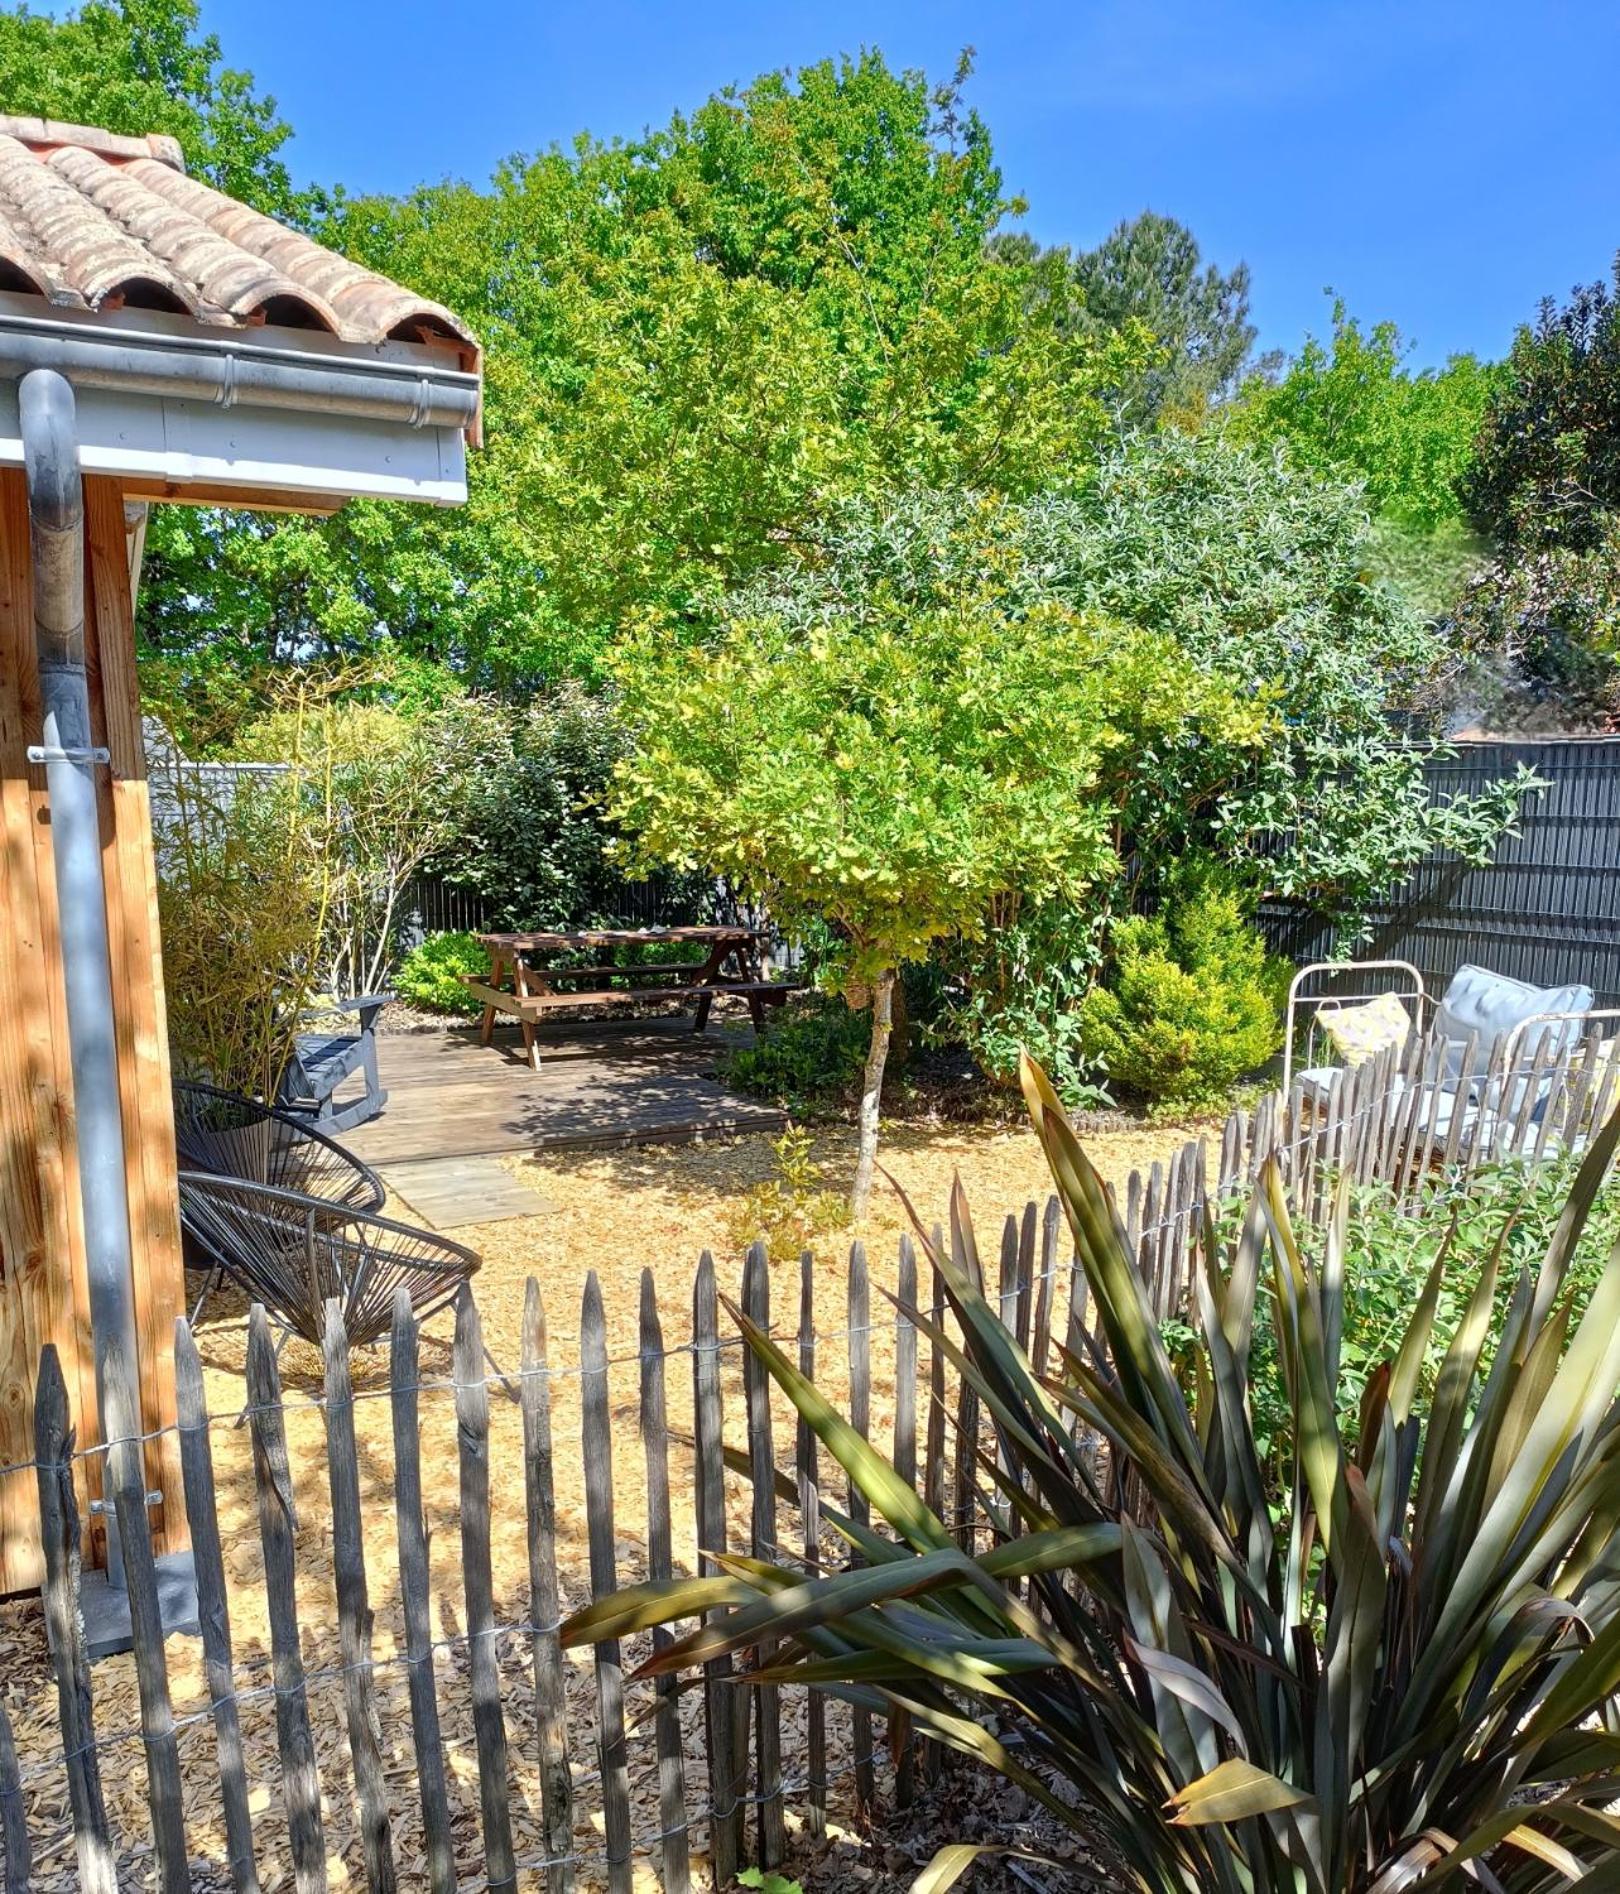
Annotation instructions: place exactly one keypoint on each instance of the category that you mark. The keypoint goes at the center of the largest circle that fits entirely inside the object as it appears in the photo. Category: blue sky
(1440, 164)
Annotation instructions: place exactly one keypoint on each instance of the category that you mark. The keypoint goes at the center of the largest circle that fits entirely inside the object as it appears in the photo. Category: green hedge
(429, 975)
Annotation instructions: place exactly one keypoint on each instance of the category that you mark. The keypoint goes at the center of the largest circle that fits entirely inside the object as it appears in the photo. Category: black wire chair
(292, 1252)
(233, 1136)
(229, 1135)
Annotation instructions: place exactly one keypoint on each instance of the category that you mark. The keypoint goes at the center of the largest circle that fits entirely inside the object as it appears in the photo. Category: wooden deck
(601, 1083)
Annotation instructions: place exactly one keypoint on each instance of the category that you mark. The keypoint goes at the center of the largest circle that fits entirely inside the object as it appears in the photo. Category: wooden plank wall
(43, 1293)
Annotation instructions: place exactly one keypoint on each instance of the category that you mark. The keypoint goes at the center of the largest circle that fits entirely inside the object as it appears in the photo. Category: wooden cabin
(215, 357)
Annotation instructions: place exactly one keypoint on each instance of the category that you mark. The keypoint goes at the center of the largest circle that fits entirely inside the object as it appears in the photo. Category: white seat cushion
(1436, 1103)
(1320, 1083)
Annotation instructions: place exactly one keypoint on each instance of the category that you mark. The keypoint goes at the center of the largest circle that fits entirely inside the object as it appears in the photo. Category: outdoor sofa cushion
(1490, 1005)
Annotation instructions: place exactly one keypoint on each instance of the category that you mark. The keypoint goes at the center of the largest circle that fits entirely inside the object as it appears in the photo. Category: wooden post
(489, 1725)
(934, 1432)
(126, 1483)
(1401, 1108)
(1007, 1280)
(905, 1366)
(1526, 1135)
(1596, 1112)
(1576, 1088)
(17, 1862)
(1046, 1292)
(967, 1428)
(815, 1711)
(354, 1608)
(411, 1529)
(44, 1295)
(860, 1418)
(675, 1859)
(64, 1632)
(1231, 1150)
(762, 1482)
(550, 1694)
(213, 1611)
(719, 1698)
(1026, 1275)
(905, 1464)
(934, 1753)
(1430, 1062)
(300, 1781)
(597, 1441)
(1387, 1063)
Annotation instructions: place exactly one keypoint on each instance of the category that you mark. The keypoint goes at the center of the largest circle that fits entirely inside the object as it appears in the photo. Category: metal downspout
(56, 526)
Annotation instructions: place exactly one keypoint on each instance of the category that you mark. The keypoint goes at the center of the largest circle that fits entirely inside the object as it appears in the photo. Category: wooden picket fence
(721, 1795)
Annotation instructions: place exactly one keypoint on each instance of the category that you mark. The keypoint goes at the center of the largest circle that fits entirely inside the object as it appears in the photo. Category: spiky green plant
(1398, 1672)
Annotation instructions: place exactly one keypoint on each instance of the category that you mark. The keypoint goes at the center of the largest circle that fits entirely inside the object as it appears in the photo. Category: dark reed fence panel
(432, 905)
(1546, 910)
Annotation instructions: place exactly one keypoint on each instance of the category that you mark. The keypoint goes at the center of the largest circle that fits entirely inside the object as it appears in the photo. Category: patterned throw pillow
(1359, 1033)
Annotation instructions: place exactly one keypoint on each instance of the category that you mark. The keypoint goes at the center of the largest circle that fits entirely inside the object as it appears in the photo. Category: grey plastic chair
(322, 1061)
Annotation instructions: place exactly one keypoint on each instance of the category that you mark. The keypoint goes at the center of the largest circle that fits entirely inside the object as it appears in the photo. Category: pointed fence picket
(675, 1861)
(16, 1851)
(415, 1596)
(300, 1779)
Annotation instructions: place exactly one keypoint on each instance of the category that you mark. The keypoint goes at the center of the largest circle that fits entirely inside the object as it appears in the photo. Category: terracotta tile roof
(93, 220)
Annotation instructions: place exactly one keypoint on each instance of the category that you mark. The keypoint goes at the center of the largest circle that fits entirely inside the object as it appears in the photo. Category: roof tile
(93, 220)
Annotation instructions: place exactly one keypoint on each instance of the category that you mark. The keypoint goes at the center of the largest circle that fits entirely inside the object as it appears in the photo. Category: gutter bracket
(50, 753)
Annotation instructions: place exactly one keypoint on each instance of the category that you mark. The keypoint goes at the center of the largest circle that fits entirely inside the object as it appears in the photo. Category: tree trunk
(871, 1090)
(900, 1026)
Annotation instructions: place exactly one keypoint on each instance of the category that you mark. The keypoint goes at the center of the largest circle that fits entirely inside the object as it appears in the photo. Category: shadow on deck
(601, 1083)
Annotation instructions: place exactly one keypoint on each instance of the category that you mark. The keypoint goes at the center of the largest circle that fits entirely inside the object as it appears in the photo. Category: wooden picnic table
(731, 963)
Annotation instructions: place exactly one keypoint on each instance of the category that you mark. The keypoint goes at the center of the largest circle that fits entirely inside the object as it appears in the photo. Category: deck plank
(600, 1084)
(453, 1193)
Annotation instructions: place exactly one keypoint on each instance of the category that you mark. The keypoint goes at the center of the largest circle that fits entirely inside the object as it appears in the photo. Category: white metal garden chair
(1493, 1067)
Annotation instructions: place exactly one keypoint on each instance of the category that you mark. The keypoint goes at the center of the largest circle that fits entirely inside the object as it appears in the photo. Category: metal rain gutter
(232, 372)
(56, 529)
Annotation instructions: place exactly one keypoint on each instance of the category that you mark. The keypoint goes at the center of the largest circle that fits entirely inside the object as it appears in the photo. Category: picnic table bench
(731, 965)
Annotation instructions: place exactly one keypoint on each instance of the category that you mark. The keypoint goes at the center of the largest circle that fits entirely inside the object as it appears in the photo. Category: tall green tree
(1150, 269)
(1350, 409)
(1548, 466)
(1258, 574)
(1254, 575)
(902, 774)
(1540, 626)
(1148, 277)
(223, 593)
(138, 66)
(700, 342)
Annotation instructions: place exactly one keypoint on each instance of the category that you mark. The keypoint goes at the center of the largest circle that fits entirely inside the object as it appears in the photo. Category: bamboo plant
(1397, 1672)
